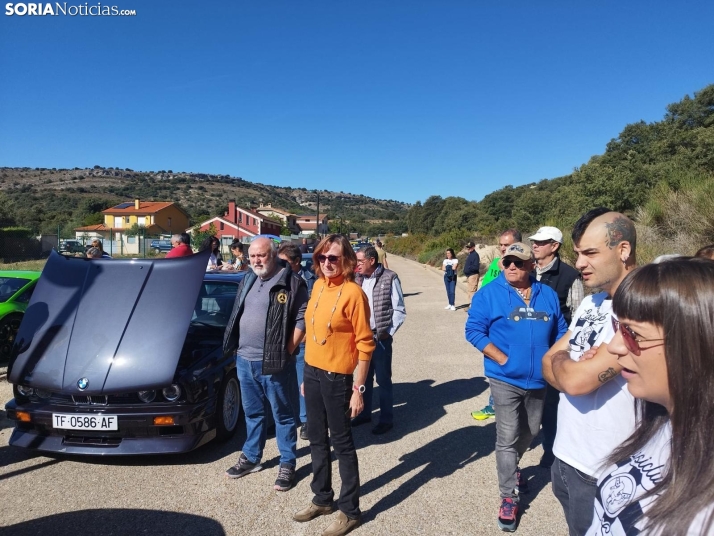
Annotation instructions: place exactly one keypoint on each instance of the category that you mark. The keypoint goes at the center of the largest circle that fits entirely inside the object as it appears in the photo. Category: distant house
(239, 223)
(156, 217)
(309, 224)
(289, 219)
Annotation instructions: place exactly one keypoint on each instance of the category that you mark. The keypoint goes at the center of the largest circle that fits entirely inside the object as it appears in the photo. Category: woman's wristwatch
(360, 389)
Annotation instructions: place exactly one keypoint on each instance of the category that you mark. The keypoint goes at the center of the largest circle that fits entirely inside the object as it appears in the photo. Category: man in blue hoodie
(514, 321)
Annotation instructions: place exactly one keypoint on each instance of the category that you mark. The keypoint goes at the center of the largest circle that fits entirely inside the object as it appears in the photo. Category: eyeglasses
(332, 258)
(361, 261)
(541, 243)
(629, 337)
(508, 262)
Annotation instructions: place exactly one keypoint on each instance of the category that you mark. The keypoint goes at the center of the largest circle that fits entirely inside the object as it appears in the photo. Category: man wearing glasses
(565, 281)
(513, 321)
(386, 304)
(596, 411)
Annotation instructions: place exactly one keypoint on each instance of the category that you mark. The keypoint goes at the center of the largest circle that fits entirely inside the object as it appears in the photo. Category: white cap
(548, 233)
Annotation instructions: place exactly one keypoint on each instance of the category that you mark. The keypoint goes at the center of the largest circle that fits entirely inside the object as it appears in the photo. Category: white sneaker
(447, 307)
(452, 308)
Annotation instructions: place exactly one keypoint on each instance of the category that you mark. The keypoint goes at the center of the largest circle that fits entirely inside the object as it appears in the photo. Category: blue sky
(396, 99)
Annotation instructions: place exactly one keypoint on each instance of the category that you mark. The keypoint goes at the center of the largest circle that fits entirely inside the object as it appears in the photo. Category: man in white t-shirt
(596, 411)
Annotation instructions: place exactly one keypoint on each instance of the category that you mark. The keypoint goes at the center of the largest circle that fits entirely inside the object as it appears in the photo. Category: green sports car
(15, 290)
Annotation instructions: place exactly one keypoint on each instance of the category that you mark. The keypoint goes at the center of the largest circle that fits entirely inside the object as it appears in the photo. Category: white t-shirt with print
(450, 262)
(618, 508)
(591, 426)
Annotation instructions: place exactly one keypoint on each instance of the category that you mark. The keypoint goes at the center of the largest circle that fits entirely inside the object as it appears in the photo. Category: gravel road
(433, 474)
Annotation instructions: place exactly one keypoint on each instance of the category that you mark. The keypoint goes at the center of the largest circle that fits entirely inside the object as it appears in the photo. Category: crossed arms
(596, 367)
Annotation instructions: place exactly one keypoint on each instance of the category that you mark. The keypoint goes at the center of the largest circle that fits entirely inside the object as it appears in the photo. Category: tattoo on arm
(621, 229)
(606, 375)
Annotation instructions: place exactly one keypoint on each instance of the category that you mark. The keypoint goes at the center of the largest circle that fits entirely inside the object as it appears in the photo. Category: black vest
(560, 278)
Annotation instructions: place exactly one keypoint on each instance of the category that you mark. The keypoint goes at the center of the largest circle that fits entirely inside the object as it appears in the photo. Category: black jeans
(576, 492)
(550, 419)
(327, 398)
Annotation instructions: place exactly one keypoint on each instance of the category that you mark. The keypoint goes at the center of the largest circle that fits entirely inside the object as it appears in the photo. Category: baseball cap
(548, 233)
(470, 245)
(520, 251)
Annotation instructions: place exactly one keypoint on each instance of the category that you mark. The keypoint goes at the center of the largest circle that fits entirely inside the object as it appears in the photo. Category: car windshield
(9, 286)
(214, 304)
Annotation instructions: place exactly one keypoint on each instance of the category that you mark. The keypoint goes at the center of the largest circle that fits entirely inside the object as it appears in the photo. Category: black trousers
(327, 399)
(550, 419)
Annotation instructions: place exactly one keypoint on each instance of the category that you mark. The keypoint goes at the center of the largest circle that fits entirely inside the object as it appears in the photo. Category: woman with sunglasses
(659, 481)
(338, 341)
(450, 266)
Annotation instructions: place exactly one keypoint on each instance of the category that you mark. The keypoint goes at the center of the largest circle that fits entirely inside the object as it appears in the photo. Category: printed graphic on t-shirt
(528, 313)
(618, 510)
(588, 325)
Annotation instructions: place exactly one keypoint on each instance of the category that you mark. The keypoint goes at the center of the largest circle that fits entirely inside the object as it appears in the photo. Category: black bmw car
(123, 357)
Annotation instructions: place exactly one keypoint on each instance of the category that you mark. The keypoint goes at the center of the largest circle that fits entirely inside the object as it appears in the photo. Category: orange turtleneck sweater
(350, 338)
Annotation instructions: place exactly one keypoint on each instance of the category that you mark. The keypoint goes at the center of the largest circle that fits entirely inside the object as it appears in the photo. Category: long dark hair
(678, 296)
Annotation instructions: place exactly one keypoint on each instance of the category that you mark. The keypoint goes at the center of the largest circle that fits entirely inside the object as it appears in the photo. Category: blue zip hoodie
(524, 333)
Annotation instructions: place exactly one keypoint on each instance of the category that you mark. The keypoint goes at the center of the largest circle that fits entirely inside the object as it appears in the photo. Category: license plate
(78, 421)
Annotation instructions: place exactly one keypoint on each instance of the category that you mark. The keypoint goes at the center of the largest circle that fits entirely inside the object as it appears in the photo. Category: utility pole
(317, 226)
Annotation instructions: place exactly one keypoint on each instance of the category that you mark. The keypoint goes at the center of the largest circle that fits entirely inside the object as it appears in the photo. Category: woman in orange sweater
(338, 341)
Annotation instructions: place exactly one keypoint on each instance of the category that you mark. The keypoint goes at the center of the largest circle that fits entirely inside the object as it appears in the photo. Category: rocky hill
(44, 199)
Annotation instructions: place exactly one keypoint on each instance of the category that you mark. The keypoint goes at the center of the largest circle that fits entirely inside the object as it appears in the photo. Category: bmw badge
(82, 383)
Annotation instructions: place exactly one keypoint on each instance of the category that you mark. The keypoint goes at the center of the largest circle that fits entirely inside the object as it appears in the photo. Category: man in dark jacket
(471, 269)
(264, 342)
(565, 281)
(291, 254)
(387, 313)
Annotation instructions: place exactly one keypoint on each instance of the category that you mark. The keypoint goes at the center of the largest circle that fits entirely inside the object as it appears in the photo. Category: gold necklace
(526, 295)
(329, 323)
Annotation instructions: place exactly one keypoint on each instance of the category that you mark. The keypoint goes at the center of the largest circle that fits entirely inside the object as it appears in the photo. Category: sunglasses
(508, 262)
(541, 243)
(629, 337)
(332, 258)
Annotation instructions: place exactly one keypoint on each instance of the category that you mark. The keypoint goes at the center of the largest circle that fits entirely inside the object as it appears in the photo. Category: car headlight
(172, 392)
(147, 396)
(43, 393)
(25, 390)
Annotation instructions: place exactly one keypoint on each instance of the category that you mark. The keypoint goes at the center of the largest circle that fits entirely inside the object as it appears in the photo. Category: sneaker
(452, 308)
(447, 307)
(312, 511)
(341, 525)
(507, 515)
(303, 431)
(286, 477)
(521, 483)
(483, 414)
(382, 428)
(243, 467)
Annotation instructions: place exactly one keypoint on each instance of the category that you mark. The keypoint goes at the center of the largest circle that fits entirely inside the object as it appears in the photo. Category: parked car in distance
(16, 288)
(306, 262)
(71, 247)
(161, 246)
(125, 357)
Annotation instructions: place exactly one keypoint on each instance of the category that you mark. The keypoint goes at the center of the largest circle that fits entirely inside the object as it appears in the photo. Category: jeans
(327, 396)
(300, 368)
(550, 420)
(576, 492)
(278, 389)
(450, 290)
(381, 366)
(518, 414)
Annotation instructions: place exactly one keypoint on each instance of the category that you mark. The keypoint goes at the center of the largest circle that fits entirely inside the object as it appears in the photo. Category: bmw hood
(101, 326)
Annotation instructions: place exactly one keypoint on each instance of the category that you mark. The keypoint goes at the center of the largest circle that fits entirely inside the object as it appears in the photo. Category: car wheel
(8, 330)
(546, 318)
(229, 408)
(516, 318)
(157, 251)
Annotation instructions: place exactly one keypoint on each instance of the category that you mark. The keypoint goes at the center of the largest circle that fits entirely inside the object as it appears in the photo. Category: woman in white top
(450, 264)
(659, 481)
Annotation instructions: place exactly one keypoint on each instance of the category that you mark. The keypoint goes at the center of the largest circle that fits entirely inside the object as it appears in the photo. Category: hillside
(641, 173)
(44, 199)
